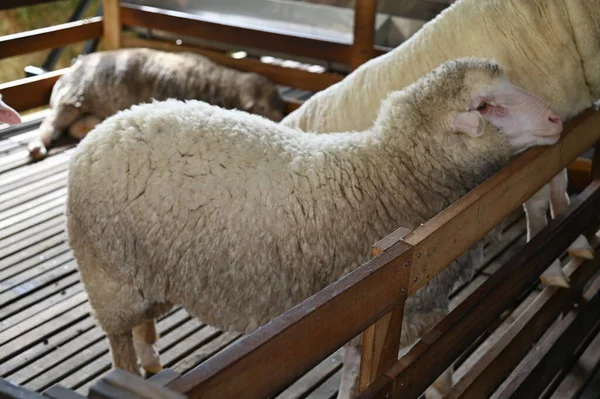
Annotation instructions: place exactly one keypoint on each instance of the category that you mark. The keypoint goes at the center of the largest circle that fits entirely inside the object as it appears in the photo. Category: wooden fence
(371, 298)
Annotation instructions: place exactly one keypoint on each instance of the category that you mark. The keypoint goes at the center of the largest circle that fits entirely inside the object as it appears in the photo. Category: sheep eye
(482, 106)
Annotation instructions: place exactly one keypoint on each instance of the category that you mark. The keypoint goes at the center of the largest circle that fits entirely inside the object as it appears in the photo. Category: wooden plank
(592, 390)
(364, 32)
(313, 378)
(41, 348)
(579, 173)
(292, 105)
(29, 179)
(328, 389)
(60, 392)
(170, 341)
(555, 349)
(84, 355)
(482, 345)
(381, 341)
(38, 282)
(32, 92)
(8, 4)
(351, 305)
(27, 253)
(583, 371)
(12, 222)
(40, 301)
(164, 377)
(22, 158)
(24, 239)
(22, 277)
(193, 25)
(8, 390)
(279, 75)
(138, 386)
(436, 351)
(50, 37)
(48, 315)
(225, 339)
(28, 194)
(487, 374)
(485, 206)
(112, 24)
(595, 168)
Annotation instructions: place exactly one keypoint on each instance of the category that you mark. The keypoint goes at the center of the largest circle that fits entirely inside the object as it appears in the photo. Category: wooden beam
(497, 363)
(436, 351)
(579, 174)
(381, 341)
(271, 358)
(292, 105)
(555, 349)
(9, 390)
(444, 237)
(112, 24)
(50, 37)
(32, 92)
(364, 32)
(119, 384)
(284, 76)
(193, 25)
(595, 166)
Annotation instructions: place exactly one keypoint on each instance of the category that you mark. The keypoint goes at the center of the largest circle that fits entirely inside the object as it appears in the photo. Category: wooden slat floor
(47, 335)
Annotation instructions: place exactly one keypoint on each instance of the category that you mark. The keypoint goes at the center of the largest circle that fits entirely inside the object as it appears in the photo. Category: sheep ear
(470, 122)
(8, 114)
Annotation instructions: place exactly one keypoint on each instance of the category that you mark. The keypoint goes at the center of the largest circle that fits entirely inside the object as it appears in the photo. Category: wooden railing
(370, 299)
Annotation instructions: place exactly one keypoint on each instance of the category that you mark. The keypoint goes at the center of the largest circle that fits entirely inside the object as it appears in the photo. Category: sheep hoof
(581, 249)
(152, 368)
(37, 151)
(554, 276)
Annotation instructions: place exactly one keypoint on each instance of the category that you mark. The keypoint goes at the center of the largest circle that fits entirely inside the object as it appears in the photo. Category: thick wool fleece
(549, 47)
(100, 84)
(238, 218)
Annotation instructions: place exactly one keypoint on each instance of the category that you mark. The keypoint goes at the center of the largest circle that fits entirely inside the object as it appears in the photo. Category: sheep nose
(555, 119)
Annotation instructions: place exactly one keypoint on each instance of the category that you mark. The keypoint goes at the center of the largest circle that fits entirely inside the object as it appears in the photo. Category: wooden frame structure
(371, 298)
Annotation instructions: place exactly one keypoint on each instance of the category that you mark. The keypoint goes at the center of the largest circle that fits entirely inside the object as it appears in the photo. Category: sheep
(237, 218)
(8, 114)
(549, 47)
(100, 84)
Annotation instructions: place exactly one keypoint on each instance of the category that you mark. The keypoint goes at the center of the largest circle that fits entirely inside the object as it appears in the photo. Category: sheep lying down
(238, 218)
(8, 114)
(100, 84)
(549, 47)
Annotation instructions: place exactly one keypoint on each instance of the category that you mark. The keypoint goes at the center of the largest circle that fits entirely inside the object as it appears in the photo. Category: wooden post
(112, 24)
(381, 341)
(596, 162)
(364, 32)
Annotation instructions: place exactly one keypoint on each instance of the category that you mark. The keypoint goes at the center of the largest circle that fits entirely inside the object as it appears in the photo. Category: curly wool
(548, 47)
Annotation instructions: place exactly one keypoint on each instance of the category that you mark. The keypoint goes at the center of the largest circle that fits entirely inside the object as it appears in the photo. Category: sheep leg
(123, 352)
(535, 210)
(144, 338)
(81, 127)
(350, 369)
(52, 126)
(559, 201)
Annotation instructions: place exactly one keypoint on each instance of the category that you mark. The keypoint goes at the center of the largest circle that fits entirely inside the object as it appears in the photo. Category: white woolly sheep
(100, 84)
(237, 218)
(549, 47)
(8, 114)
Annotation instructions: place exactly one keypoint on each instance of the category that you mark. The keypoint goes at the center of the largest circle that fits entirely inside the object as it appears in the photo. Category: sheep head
(488, 96)
(259, 95)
